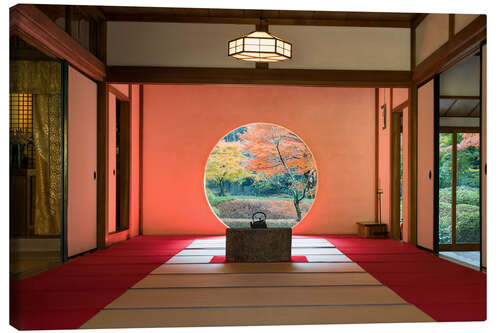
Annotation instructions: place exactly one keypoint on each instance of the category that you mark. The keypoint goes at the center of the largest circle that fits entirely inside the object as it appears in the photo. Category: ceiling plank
(449, 108)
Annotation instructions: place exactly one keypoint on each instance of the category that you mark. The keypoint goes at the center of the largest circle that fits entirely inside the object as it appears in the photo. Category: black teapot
(260, 223)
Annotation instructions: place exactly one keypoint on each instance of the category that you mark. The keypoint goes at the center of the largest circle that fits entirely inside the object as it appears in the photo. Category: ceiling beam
(300, 77)
(464, 43)
(473, 109)
(37, 29)
(162, 17)
(449, 108)
(417, 20)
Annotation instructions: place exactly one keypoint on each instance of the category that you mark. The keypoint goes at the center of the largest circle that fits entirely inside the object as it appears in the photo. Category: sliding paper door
(82, 163)
(425, 166)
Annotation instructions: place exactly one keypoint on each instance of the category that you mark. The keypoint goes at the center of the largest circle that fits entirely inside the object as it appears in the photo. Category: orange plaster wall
(182, 123)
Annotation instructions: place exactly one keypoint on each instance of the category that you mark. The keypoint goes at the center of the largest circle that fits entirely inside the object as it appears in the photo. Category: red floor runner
(69, 295)
(442, 289)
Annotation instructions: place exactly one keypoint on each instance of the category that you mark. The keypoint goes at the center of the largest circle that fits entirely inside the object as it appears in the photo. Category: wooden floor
(189, 291)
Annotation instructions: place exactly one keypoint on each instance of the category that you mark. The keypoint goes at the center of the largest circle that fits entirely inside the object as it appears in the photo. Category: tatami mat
(252, 280)
(189, 291)
(257, 296)
(189, 259)
(327, 258)
(257, 316)
(285, 267)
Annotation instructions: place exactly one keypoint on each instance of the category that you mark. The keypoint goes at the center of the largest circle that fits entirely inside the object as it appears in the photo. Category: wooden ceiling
(459, 106)
(246, 16)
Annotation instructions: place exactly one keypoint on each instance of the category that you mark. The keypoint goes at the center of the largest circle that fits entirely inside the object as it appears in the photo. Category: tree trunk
(221, 187)
(297, 208)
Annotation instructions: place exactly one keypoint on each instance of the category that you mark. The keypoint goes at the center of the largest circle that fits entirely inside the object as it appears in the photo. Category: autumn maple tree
(276, 155)
(225, 163)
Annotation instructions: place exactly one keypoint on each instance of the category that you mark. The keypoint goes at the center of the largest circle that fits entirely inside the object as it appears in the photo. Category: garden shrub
(274, 209)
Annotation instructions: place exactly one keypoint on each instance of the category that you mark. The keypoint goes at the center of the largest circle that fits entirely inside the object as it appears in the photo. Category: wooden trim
(300, 77)
(68, 12)
(454, 189)
(141, 149)
(33, 26)
(102, 35)
(451, 26)
(459, 247)
(65, 168)
(401, 107)
(123, 178)
(462, 44)
(93, 12)
(458, 97)
(255, 20)
(416, 21)
(102, 164)
(377, 96)
(117, 237)
(412, 164)
(449, 108)
(459, 129)
(413, 48)
(119, 95)
(395, 153)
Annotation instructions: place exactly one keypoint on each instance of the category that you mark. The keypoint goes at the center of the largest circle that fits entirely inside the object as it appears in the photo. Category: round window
(260, 168)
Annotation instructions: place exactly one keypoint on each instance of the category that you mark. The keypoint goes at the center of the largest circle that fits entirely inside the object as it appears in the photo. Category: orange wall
(182, 123)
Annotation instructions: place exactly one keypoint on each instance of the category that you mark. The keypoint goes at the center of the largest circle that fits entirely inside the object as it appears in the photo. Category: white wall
(463, 79)
(173, 44)
(349, 48)
(430, 35)
(463, 20)
(205, 45)
(82, 163)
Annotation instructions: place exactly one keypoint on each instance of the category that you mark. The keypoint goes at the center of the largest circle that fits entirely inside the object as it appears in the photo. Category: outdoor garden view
(467, 188)
(260, 167)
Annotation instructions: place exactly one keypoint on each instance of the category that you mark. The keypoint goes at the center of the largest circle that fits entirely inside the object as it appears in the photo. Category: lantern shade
(260, 46)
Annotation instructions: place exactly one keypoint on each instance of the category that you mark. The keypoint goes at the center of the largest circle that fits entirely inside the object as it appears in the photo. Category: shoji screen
(425, 161)
(82, 163)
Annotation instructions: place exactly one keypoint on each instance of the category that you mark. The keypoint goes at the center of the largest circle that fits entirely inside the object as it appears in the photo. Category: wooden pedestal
(372, 230)
(258, 245)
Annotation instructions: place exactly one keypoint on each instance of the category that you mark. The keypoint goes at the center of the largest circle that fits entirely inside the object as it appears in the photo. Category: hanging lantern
(260, 46)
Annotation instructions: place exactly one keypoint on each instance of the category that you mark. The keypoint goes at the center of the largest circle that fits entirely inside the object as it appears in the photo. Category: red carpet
(67, 296)
(442, 289)
(222, 259)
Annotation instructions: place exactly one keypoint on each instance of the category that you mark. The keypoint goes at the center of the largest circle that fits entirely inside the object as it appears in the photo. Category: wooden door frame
(395, 156)
(454, 246)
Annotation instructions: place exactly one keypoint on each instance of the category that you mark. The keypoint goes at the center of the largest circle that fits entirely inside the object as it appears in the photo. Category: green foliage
(467, 215)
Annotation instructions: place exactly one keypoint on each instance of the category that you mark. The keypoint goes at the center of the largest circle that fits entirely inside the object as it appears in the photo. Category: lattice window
(21, 120)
